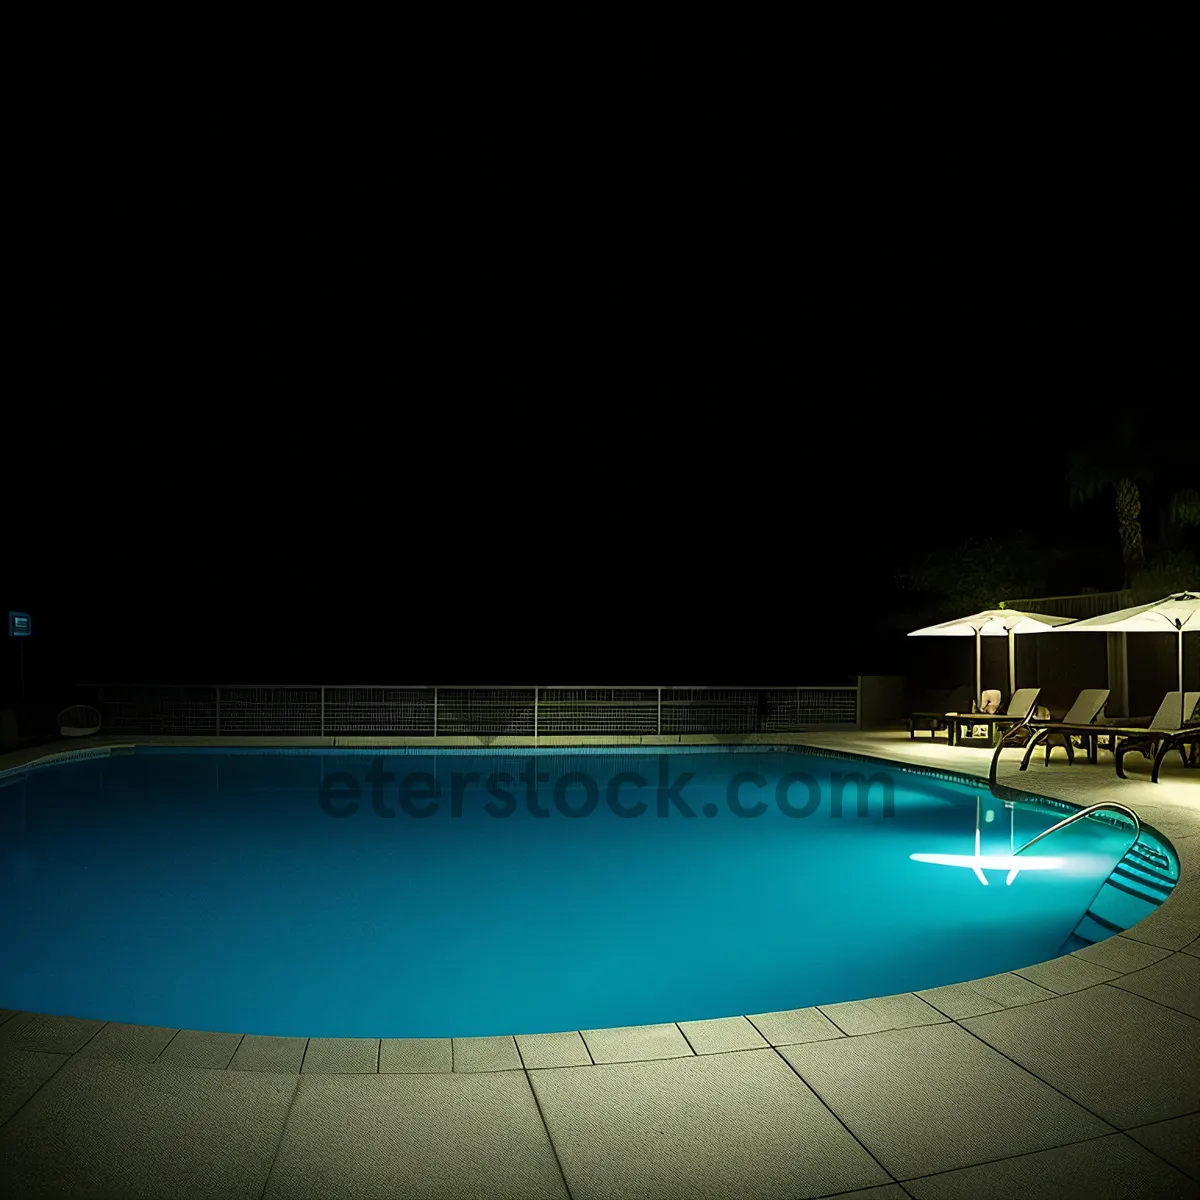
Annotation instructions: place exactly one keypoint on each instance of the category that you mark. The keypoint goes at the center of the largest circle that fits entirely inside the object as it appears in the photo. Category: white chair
(79, 720)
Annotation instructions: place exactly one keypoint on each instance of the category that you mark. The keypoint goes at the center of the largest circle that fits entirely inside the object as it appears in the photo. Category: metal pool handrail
(1026, 722)
(1078, 816)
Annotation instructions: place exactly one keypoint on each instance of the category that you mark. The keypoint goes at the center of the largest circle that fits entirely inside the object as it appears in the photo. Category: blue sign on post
(19, 625)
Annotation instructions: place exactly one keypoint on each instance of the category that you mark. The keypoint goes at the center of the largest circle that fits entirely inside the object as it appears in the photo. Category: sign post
(20, 626)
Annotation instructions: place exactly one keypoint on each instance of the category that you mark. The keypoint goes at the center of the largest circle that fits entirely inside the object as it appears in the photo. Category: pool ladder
(1087, 812)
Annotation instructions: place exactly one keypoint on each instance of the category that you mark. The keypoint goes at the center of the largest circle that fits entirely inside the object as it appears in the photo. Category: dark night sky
(444, 346)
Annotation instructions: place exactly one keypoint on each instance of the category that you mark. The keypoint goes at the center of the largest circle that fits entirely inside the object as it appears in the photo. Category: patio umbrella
(993, 622)
(1178, 613)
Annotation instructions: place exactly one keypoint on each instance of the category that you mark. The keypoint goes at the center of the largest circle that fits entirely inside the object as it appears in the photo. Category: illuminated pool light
(992, 862)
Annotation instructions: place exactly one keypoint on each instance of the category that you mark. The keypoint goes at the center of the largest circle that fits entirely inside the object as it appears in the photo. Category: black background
(433, 345)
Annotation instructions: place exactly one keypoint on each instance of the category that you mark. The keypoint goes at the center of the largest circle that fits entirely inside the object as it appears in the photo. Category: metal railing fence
(316, 711)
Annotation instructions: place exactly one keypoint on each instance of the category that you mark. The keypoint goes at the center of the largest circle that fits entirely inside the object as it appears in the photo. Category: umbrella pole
(978, 674)
(1179, 640)
(1012, 665)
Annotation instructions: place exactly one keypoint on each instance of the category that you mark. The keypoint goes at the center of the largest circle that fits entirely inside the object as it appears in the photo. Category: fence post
(322, 711)
(660, 712)
(218, 712)
(535, 715)
(435, 712)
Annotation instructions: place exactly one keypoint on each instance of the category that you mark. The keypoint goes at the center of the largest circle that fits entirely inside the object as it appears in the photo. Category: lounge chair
(1186, 741)
(962, 699)
(1079, 721)
(1163, 726)
(1020, 708)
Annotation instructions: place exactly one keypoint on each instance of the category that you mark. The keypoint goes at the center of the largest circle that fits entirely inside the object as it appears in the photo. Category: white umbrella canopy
(994, 622)
(1178, 613)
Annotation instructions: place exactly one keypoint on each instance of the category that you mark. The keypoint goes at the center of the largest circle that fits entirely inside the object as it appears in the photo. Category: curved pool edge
(1133, 989)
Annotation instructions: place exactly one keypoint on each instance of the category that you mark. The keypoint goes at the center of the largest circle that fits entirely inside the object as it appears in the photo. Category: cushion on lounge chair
(1089, 704)
(1167, 717)
(1022, 702)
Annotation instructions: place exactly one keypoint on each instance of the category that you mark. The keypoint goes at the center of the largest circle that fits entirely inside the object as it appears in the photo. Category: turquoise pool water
(272, 893)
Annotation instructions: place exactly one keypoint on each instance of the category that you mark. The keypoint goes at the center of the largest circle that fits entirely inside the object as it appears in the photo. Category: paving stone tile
(722, 1035)
(1122, 1056)
(795, 1026)
(197, 1048)
(541, 1050)
(53, 1035)
(421, 1136)
(887, 1012)
(934, 1098)
(486, 1054)
(1165, 929)
(1067, 974)
(22, 1072)
(1121, 954)
(103, 1127)
(1173, 981)
(278, 1054)
(635, 1043)
(1177, 1140)
(984, 995)
(1106, 1166)
(708, 1125)
(341, 1056)
(134, 1043)
(415, 1056)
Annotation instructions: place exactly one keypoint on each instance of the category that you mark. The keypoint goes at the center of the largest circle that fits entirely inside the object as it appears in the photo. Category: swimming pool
(420, 893)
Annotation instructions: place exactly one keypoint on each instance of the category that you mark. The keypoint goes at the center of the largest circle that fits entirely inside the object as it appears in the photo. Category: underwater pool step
(1152, 856)
(1148, 873)
(1096, 928)
(1117, 907)
(1151, 898)
(1095, 925)
(1139, 868)
(1155, 885)
(1149, 853)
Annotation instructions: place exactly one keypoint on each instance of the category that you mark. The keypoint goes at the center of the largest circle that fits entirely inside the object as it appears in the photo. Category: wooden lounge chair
(962, 699)
(1079, 721)
(1020, 708)
(1162, 728)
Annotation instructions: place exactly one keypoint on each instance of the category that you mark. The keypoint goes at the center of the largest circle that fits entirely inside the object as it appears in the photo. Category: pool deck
(1075, 1077)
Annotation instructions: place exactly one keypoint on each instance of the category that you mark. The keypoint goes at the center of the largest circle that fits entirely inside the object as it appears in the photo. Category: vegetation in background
(978, 574)
(1145, 479)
